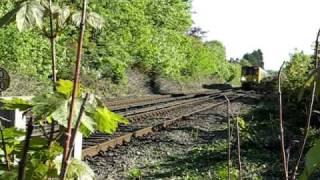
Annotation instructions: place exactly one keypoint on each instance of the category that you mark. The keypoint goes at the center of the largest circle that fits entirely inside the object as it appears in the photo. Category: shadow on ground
(260, 148)
(196, 160)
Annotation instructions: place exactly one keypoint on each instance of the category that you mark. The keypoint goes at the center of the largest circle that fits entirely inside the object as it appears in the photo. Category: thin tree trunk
(53, 61)
(283, 152)
(230, 132)
(23, 161)
(74, 92)
(239, 150)
(307, 126)
(53, 65)
(306, 132)
(4, 148)
(229, 137)
(53, 48)
(75, 130)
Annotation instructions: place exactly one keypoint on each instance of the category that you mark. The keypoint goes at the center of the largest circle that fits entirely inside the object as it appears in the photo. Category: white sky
(277, 27)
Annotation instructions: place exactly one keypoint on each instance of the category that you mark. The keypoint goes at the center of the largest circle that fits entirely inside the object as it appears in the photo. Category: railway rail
(147, 115)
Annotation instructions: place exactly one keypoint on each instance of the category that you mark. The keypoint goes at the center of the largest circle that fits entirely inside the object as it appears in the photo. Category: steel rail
(96, 148)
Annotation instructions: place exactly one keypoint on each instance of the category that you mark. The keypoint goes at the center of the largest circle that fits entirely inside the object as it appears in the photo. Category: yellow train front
(251, 76)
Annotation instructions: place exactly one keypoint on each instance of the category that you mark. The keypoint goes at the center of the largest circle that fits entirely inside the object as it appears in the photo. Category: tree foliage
(296, 73)
(255, 58)
(55, 106)
(46, 108)
(312, 162)
(150, 35)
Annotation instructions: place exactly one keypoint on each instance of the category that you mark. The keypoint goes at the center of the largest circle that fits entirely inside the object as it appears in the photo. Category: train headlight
(243, 79)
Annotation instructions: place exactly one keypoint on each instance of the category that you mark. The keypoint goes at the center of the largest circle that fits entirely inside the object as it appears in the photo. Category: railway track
(147, 115)
(127, 106)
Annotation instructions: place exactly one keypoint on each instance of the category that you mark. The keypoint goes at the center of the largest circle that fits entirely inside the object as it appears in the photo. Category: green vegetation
(260, 144)
(134, 173)
(263, 128)
(148, 35)
(47, 108)
(254, 58)
(296, 73)
(69, 105)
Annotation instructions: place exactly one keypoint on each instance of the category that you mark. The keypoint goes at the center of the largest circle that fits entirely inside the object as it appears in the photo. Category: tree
(53, 107)
(197, 32)
(244, 62)
(296, 71)
(148, 35)
(255, 58)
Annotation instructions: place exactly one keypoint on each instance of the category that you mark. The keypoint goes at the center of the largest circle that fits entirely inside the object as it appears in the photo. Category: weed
(134, 173)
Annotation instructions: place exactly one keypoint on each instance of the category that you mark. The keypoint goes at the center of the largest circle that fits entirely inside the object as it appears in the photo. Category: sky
(277, 27)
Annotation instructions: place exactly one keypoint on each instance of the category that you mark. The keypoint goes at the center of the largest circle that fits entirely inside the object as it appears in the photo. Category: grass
(260, 152)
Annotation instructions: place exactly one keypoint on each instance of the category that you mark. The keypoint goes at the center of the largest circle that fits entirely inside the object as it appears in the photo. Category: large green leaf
(29, 14)
(37, 143)
(61, 115)
(11, 133)
(9, 175)
(76, 18)
(93, 19)
(10, 16)
(77, 170)
(16, 103)
(107, 121)
(312, 161)
(86, 132)
(65, 87)
(45, 105)
(87, 126)
(314, 76)
(41, 163)
(64, 15)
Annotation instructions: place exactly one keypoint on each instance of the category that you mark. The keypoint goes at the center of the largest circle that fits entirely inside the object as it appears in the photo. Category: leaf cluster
(55, 107)
(30, 13)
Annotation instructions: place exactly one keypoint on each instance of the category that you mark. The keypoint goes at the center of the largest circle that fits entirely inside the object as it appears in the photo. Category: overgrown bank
(152, 37)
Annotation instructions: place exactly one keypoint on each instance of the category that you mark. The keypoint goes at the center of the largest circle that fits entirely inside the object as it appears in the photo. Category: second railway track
(147, 115)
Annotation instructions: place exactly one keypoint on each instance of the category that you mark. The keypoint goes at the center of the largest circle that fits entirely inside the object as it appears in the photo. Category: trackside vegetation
(151, 36)
(68, 104)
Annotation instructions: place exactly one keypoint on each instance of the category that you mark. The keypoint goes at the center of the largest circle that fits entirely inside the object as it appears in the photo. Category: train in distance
(251, 76)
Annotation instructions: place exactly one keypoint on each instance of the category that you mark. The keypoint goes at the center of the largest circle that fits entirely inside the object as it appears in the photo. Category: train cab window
(250, 70)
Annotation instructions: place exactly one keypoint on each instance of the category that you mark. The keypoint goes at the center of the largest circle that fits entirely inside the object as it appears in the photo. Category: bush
(296, 73)
(146, 34)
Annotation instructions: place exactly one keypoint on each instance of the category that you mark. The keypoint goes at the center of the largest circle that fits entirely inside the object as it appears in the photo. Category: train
(251, 76)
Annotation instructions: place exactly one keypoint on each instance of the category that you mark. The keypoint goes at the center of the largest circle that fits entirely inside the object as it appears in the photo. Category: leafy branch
(314, 79)
(67, 144)
(283, 152)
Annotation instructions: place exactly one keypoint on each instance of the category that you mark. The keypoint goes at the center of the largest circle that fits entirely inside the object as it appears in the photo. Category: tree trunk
(53, 65)
(74, 92)
(23, 161)
(75, 130)
(239, 150)
(53, 48)
(229, 137)
(283, 152)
